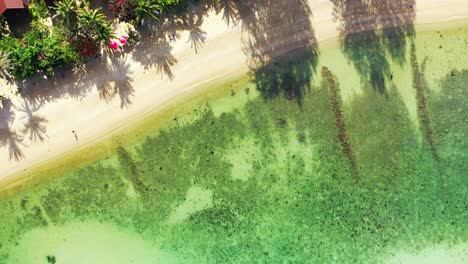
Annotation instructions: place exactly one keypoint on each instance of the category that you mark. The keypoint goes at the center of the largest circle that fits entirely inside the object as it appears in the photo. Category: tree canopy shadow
(372, 32)
(229, 10)
(280, 43)
(9, 138)
(35, 125)
(272, 30)
(154, 50)
(117, 81)
(75, 83)
(197, 36)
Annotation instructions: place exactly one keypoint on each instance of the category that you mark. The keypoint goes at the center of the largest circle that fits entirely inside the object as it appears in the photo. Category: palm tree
(93, 24)
(67, 11)
(5, 65)
(145, 10)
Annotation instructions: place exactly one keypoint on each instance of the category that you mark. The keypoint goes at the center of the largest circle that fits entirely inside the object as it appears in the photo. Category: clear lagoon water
(342, 161)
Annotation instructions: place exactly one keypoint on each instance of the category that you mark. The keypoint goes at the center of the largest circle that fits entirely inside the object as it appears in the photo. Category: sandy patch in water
(433, 255)
(86, 243)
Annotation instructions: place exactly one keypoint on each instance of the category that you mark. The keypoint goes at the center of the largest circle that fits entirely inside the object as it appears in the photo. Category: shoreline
(141, 127)
(19, 176)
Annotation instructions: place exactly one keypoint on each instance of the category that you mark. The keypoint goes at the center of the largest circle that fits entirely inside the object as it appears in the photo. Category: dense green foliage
(67, 12)
(39, 51)
(38, 9)
(140, 11)
(80, 33)
(145, 10)
(93, 24)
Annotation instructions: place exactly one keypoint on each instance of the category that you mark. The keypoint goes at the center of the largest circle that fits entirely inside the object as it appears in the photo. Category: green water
(274, 179)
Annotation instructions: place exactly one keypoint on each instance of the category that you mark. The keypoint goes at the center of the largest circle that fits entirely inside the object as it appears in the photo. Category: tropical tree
(146, 10)
(92, 23)
(169, 4)
(67, 11)
(40, 50)
(38, 9)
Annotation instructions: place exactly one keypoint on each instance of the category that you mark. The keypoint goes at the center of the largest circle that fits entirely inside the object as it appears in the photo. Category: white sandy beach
(221, 55)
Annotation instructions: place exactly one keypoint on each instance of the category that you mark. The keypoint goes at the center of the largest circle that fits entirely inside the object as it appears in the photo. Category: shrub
(86, 47)
(133, 37)
(167, 4)
(94, 25)
(121, 9)
(39, 51)
(38, 9)
(5, 65)
(67, 14)
(145, 11)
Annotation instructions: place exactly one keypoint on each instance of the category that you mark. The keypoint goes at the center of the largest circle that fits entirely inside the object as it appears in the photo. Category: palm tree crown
(146, 10)
(94, 24)
(67, 10)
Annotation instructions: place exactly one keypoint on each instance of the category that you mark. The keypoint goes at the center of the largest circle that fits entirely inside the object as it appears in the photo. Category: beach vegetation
(94, 25)
(140, 12)
(5, 65)
(79, 33)
(40, 50)
(38, 9)
(121, 9)
(146, 11)
(67, 13)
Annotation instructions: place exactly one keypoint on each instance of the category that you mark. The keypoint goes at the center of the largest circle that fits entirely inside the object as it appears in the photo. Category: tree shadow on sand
(271, 30)
(111, 76)
(9, 138)
(155, 51)
(280, 43)
(372, 32)
(35, 125)
(117, 81)
(74, 83)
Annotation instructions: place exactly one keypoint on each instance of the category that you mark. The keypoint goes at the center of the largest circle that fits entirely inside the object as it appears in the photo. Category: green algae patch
(85, 243)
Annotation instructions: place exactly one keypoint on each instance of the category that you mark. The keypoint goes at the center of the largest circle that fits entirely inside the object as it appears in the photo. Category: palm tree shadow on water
(374, 32)
(279, 41)
(9, 138)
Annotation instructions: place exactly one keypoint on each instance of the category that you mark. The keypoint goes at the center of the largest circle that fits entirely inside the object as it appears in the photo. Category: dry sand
(142, 91)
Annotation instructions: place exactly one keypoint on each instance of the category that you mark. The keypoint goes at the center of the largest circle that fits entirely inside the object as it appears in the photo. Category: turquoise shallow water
(342, 172)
